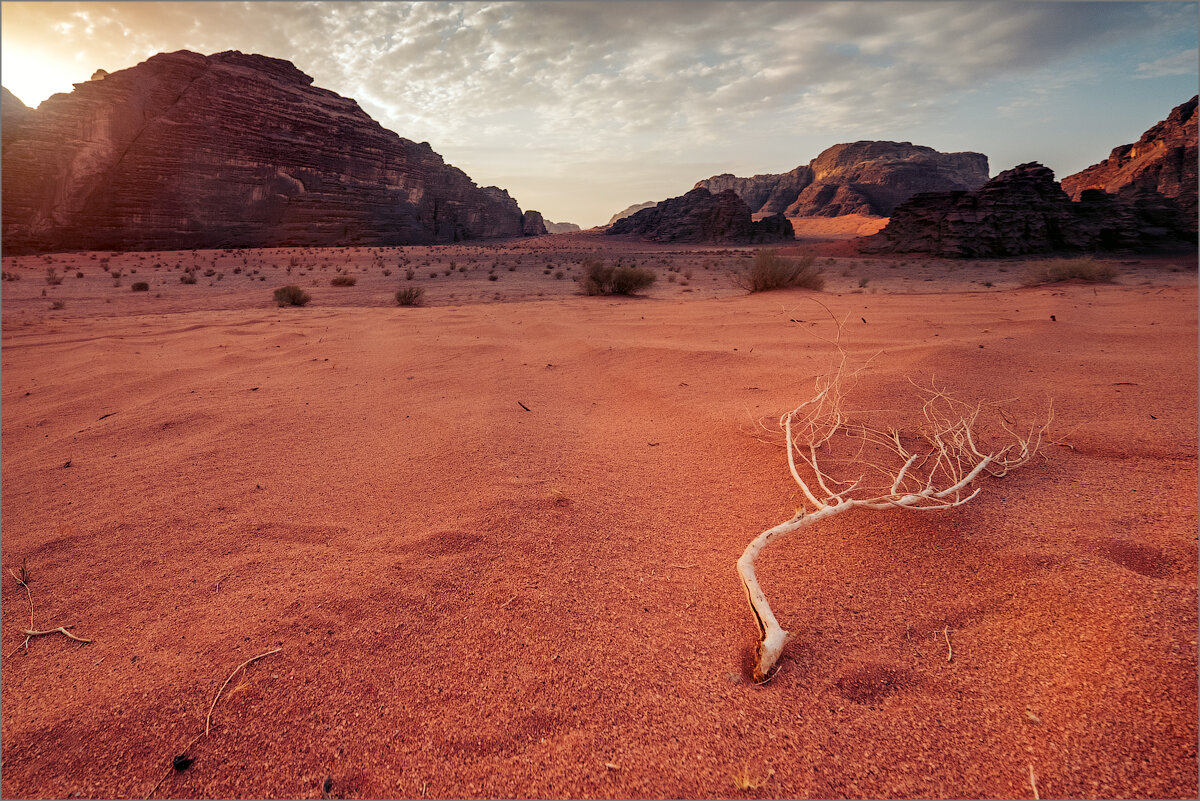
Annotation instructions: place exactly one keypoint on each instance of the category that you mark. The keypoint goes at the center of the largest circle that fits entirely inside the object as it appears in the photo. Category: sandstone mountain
(228, 150)
(532, 224)
(856, 178)
(13, 115)
(561, 227)
(1025, 211)
(1164, 160)
(636, 207)
(701, 216)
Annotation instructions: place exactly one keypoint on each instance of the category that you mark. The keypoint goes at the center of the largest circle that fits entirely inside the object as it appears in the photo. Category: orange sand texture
(475, 600)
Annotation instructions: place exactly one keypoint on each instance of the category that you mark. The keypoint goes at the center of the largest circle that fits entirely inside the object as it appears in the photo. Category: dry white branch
(840, 464)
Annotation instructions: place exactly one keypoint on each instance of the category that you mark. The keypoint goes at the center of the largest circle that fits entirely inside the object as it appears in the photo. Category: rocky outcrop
(856, 178)
(701, 216)
(561, 227)
(532, 224)
(1025, 211)
(13, 116)
(1163, 160)
(229, 150)
(636, 207)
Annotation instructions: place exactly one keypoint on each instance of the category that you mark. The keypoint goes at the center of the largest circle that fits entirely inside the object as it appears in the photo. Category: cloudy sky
(580, 109)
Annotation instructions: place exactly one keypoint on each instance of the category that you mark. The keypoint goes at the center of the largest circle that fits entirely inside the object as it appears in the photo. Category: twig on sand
(684, 567)
(949, 650)
(23, 579)
(208, 718)
(1033, 783)
(509, 601)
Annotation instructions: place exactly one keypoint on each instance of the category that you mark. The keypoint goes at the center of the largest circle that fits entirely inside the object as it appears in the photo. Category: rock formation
(1163, 160)
(532, 224)
(636, 207)
(561, 227)
(1025, 211)
(13, 116)
(229, 150)
(856, 178)
(701, 216)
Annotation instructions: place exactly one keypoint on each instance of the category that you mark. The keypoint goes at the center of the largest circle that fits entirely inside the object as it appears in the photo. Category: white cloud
(1181, 63)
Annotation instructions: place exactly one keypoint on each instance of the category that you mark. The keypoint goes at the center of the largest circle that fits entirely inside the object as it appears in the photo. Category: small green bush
(410, 296)
(343, 280)
(773, 271)
(1053, 271)
(605, 279)
(291, 295)
(140, 286)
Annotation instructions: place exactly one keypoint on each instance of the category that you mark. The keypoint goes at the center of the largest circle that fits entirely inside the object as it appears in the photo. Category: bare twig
(1033, 783)
(930, 467)
(23, 579)
(208, 720)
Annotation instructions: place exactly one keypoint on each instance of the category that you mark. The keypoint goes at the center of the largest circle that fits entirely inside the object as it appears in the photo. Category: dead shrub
(140, 286)
(770, 270)
(606, 279)
(343, 280)
(410, 296)
(291, 295)
(1053, 271)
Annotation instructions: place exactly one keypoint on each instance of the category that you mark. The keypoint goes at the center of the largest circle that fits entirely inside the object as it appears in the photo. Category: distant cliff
(856, 178)
(1024, 211)
(701, 216)
(1163, 160)
(229, 150)
(636, 207)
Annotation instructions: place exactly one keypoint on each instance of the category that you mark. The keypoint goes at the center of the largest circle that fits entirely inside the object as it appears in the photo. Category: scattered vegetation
(770, 270)
(606, 279)
(291, 295)
(1053, 271)
(343, 280)
(410, 296)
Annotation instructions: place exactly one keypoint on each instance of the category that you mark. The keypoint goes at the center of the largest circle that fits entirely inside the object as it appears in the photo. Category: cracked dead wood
(842, 463)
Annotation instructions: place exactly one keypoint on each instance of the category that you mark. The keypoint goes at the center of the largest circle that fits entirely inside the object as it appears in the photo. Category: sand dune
(473, 599)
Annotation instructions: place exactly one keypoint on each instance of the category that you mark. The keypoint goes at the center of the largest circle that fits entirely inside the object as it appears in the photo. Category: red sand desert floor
(472, 599)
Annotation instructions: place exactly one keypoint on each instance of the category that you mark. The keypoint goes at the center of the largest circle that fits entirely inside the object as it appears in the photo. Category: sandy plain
(494, 537)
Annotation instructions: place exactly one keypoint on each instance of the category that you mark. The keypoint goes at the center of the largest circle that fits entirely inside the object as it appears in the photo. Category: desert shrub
(7, 276)
(410, 296)
(58, 304)
(79, 273)
(140, 286)
(343, 280)
(606, 279)
(773, 271)
(410, 275)
(52, 277)
(187, 278)
(558, 274)
(291, 295)
(493, 277)
(1052, 271)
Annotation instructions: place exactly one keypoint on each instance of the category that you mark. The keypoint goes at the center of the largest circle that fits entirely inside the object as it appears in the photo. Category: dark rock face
(229, 150)
(856, 178)
(13, 116)
(701, 216)
(532, 224)
(1163, 160)
(636, 207)
(1024, 211)
(561, 227)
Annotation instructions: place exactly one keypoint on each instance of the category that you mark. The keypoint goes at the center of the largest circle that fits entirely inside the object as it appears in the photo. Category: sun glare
(33, 75)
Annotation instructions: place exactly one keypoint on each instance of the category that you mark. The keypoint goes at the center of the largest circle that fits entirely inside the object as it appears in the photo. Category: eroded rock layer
(229, 150)
(1163, 160)
(701, 216)
(1024, 211)
(856, 178)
